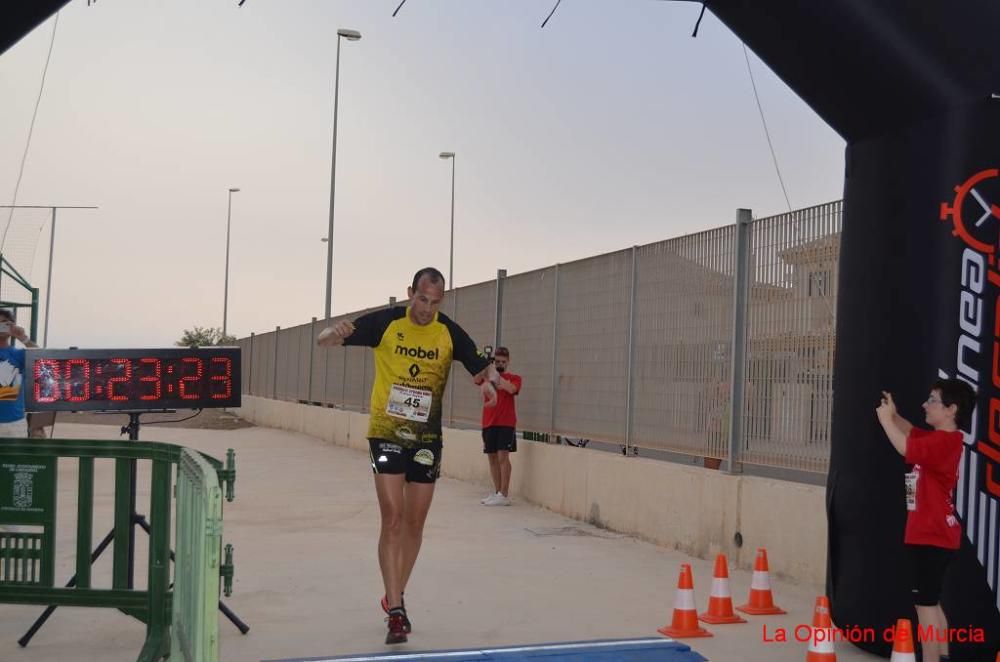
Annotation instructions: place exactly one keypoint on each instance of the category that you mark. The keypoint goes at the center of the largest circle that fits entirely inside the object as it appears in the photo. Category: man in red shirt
(933, 532)
(499, 425)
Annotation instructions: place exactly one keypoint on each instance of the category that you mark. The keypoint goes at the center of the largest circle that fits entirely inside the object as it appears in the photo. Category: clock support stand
(137, 519)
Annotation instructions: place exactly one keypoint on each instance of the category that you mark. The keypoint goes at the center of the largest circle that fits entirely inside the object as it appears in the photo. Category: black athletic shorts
(499, 438)
(927, 568)
(421, 463)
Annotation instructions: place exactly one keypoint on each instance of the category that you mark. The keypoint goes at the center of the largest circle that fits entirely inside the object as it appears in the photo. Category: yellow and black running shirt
(412, 363)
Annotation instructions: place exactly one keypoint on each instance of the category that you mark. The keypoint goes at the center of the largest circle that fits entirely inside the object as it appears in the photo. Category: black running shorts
(927, 568)
(499, 438)
(421, 463)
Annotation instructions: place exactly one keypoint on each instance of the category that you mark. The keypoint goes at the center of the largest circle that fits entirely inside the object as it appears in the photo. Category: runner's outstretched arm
(333, 336)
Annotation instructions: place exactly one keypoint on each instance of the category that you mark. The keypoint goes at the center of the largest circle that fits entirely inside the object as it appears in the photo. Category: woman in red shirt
(933, 532)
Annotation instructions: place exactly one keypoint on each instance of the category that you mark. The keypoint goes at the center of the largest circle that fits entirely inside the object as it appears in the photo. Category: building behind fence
(635, 347)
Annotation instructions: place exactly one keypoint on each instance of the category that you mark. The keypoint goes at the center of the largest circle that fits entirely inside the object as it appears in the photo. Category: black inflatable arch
(913, 86)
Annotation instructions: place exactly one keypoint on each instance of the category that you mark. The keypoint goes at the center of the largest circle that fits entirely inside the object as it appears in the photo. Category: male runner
(414, 348)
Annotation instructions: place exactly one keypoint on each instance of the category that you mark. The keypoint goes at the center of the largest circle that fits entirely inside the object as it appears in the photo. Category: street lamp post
(350, 35)
(451, 248)
(225, 295)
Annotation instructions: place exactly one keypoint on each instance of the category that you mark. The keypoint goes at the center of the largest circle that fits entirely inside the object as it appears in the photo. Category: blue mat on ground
(616, 650)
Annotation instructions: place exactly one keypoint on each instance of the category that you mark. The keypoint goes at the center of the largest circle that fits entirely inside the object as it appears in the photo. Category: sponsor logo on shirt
(418, 352)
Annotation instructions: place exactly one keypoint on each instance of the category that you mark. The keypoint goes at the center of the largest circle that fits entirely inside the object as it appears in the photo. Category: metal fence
(636, 347)
(198, 565)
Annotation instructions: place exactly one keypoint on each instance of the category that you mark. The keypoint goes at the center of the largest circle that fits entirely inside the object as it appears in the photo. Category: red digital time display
(113, 380)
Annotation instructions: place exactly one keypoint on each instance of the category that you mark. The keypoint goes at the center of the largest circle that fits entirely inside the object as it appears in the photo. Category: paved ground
(304, 525)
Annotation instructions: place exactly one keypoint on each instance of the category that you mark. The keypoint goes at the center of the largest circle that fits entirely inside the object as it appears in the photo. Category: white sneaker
(498, 500)
(489, 497)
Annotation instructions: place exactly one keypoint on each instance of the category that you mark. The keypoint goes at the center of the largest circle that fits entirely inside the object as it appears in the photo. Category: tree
(204, 337)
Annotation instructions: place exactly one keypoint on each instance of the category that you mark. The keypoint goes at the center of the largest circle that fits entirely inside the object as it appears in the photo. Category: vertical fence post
(274, 365)
(250, 367)
(555, 353)
(34, 307)
(741, 279)
(451, 385)
(343, 379)
(84, 521)
(312, 356)
(630, 354)
(498, 333)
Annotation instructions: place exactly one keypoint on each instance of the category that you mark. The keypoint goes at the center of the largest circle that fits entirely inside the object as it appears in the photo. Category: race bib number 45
(412, 404)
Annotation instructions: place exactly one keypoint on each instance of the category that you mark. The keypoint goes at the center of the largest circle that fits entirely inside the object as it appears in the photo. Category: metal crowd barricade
(28, 489)
(198, 563)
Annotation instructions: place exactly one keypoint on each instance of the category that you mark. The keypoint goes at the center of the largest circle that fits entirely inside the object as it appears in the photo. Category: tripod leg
(40, 621)
(233, 618)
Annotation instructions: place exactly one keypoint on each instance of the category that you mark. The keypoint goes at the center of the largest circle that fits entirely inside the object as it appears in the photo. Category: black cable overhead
(558, 2)
(767, 133)
(697, 24)
(31, 130)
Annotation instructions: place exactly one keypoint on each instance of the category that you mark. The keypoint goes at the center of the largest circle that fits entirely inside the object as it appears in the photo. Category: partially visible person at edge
(414, 348)
(933, 532)
(499, 430)
(12, 421)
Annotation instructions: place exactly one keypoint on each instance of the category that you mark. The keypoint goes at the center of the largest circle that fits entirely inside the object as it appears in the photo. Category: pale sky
(610, 127)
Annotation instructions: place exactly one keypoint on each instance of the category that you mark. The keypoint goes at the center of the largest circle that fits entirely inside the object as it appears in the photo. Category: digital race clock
(131, 379)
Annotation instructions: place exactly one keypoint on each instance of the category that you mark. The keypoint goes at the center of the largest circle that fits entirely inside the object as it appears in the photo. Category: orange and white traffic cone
(720, 602)
(902, 642)
(821, 642)
(685, 621)
(761, 601)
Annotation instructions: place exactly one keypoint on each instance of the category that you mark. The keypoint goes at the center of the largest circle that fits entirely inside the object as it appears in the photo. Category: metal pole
(225, 294)
(312, 357)
(343, 384)
(34, 313)
(555, 353)
(274, 365)
(630, 354)
(333, 188)
(451, 385)
(48, 282)
(250, 367)
(744, 218)
(451, 249)
(501, 275)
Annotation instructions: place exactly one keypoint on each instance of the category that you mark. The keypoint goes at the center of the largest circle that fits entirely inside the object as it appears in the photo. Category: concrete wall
(688, 508)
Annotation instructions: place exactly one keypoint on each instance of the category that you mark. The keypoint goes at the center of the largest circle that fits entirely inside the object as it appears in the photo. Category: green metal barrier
(27, 498)
(28, 480)
(197, 564)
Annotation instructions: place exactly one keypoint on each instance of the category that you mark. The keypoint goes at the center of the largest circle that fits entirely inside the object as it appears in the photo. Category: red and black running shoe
(397, 631)
(406, 619)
